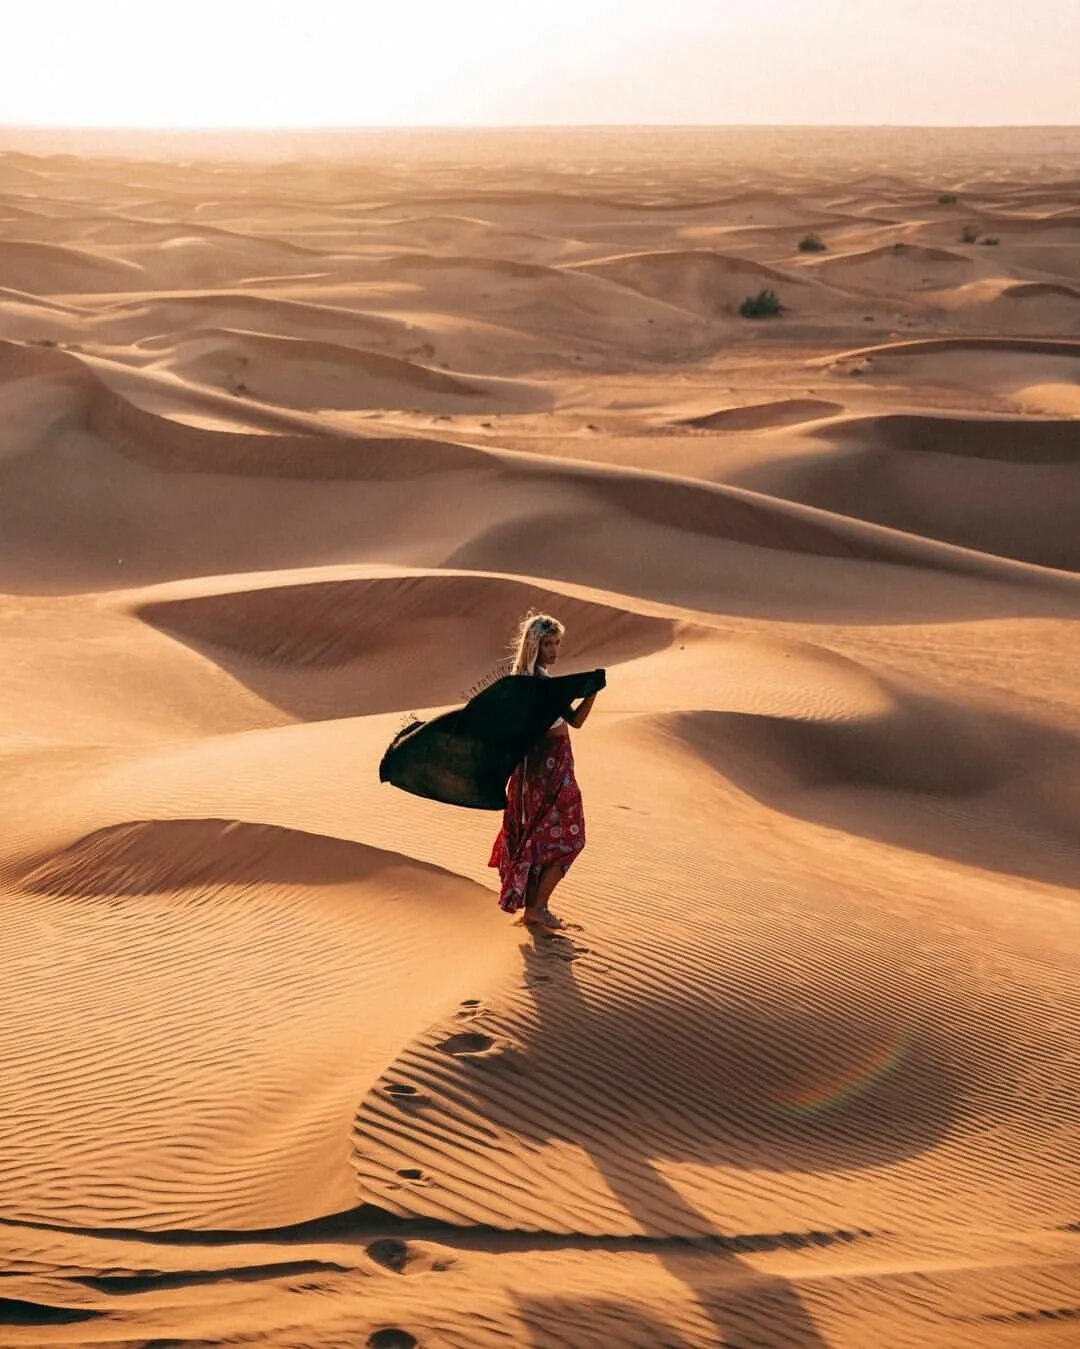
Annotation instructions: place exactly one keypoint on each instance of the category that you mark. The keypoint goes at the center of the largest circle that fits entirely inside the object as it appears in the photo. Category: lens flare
(811, 1098)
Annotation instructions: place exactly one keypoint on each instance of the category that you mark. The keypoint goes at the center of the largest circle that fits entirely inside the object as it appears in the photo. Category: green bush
(899, 248)
(812, 243)
(765, 304)
(990, 239)
(969, 234)
(947, 199)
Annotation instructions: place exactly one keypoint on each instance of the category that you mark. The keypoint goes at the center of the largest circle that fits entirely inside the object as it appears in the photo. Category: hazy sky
(196, 63)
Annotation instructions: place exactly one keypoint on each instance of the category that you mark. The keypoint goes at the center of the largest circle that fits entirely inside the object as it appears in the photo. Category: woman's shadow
(733, 1299)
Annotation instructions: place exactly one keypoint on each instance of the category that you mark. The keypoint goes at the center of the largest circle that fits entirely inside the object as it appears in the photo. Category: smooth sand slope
(285, 452)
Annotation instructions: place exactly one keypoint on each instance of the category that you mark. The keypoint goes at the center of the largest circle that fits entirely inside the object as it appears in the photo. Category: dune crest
(759, 416)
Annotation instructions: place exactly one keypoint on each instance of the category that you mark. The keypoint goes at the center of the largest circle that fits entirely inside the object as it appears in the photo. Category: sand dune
(552, 306)
(21, 360)
(1032, 290)
(139, 320)
(301, 372)
(132, 451)
(782, 412)
(898, 266)
(203, 258)
(29, 265)
(782, 241)
(1046, 260)
(1009, 373)
(1003, 485)
(576, 207)
(174, 446)
(933, 345)
(347, 636)
(1013, 307)
(869, 734)
(131, 328)
(1019, 440)
(39, 302)
(431, 233)
(695, 279)
(1060, 226)
(194, 875)
(287, 447)
(134, 234)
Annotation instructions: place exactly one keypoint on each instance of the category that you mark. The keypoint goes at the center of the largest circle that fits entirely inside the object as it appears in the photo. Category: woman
(543, 827)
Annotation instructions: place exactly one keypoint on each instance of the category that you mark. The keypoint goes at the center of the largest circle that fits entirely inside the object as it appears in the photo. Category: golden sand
(285, 452)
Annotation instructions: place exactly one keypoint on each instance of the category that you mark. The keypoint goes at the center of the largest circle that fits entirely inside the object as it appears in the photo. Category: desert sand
(292, 434)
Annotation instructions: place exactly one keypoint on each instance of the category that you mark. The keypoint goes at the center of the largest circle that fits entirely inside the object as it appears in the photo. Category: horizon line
(550, 126)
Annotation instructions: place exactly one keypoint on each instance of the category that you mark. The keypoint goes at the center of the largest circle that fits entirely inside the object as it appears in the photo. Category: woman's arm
(578, 716)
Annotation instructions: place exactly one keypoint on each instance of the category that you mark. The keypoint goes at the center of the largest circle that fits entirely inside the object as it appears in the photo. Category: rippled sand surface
(293, 431)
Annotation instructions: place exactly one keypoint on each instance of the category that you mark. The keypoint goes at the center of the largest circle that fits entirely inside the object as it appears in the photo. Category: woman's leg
(537, 894)
(550, 876)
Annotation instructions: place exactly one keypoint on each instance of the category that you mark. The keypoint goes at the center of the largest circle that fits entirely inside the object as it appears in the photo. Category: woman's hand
(577, 718)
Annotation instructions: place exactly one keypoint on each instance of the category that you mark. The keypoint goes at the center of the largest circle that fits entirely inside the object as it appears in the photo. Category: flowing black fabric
(465, 757)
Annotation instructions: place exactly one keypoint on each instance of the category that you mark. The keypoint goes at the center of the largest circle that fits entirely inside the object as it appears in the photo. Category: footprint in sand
(487, 1052)
(465, 1043)
(406, 1096)
(390, 1253)
(412, 1176)
(391, 1338)
(401, 1258)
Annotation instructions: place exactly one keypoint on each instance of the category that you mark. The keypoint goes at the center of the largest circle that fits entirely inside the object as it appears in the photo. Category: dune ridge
(929, 345)
(173, 446)
(899, 252)
(310, 373)
(758, 416)
(313, 624)
(1003, 486)
(1012, 439)
(50, 267)
(1033, 290)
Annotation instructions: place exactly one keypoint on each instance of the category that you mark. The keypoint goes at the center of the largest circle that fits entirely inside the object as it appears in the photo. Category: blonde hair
(525, 645)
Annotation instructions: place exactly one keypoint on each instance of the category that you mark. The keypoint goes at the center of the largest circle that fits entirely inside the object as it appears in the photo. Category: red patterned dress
(543, 821)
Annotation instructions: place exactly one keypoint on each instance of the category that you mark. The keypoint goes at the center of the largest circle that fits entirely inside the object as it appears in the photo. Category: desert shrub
(969, 234)
(899, 248)
(990, 239)
(765, 304)
(812, 243)
(947, 199)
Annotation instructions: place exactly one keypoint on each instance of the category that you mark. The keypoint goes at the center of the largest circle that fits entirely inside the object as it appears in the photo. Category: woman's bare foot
(536, 920)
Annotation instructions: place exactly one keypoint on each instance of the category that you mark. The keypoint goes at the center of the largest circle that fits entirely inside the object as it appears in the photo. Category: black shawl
(465, 757)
